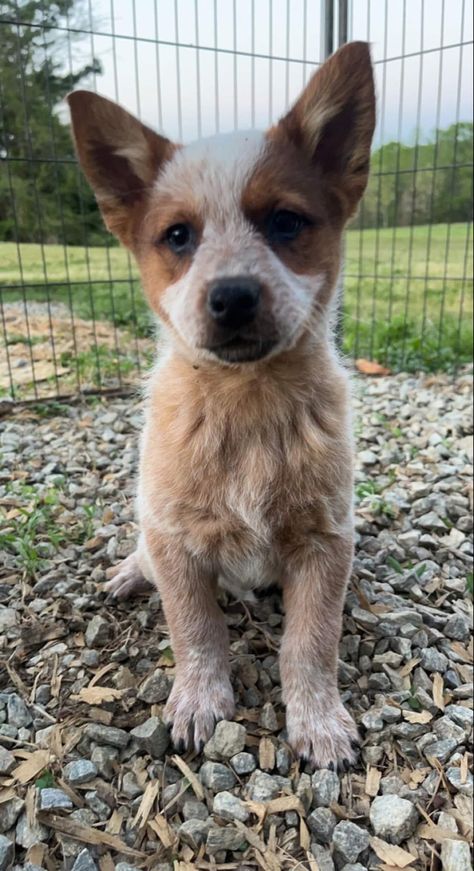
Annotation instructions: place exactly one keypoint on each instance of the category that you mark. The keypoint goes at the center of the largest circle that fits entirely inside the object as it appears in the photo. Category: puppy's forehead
(213, 170)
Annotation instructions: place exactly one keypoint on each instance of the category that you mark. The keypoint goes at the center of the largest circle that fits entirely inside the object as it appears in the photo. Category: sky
(187, 93)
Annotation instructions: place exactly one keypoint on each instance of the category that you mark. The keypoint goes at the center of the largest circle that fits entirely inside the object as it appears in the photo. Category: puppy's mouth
(239, 349)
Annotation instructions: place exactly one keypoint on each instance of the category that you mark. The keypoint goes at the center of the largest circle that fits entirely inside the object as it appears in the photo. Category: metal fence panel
(72, 313)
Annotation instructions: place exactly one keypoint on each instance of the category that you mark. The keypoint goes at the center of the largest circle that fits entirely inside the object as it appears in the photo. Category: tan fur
(246, 470)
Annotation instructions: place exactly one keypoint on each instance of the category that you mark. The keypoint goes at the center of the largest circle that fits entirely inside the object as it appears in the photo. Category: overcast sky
(187, 92)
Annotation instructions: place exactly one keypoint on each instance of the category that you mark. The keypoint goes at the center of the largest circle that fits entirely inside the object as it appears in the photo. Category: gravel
(88, 678)
(393, 818)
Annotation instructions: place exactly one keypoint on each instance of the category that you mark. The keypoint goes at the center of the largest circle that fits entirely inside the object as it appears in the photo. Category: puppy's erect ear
(119, 155)
(334, 118)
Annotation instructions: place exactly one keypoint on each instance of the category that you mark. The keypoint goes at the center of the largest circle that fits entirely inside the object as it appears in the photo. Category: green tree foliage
(42, 195)
(428, 183)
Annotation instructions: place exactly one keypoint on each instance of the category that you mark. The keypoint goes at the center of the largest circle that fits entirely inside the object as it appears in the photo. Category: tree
(421, 184)
(42, 197)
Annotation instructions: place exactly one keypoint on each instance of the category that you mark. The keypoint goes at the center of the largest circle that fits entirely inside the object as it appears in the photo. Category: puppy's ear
(119, 155)
(334, 118)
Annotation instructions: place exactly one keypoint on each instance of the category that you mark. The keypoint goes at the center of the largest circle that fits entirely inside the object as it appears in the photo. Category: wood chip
(370, 367)
(464, 768)
(146, 804)
(416, 717)
(106, 863)
(432, 832)
(305, 841)
(31, 767)
(285, 803)
(164, 831)
(438, 695)
(114, 823)
(195, 783)
(372, 781)
(392, 855)
(97, 695)
(266, 754)
(87, 835)
(408, 667)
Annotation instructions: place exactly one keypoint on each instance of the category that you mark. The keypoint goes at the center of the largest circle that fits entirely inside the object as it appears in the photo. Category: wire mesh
(71, 310)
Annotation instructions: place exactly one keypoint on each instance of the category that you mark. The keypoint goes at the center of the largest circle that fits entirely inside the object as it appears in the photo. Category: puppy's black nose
(233, 301)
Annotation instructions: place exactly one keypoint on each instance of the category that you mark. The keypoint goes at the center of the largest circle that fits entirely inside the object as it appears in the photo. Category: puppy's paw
(127, 579)
(323, 733)
(194, 707)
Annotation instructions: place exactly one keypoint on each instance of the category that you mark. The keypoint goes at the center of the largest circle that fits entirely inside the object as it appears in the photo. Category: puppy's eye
(284, 226)
(179, 237)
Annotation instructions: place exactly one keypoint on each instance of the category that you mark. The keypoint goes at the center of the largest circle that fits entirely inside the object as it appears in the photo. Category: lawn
(407, 301)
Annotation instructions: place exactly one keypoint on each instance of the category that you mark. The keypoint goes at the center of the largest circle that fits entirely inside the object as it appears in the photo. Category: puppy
(246, 456)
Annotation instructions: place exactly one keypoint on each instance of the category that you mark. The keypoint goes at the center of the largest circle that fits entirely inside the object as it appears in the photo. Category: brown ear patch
(120, 157)
(333, 121)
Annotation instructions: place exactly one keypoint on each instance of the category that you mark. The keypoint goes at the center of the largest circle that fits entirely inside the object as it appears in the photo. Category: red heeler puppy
(246, 455)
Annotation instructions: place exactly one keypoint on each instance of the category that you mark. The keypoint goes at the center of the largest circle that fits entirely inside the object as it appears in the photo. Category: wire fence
(71, 308)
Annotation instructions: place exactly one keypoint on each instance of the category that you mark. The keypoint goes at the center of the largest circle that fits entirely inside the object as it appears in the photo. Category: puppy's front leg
(201, 692)
(319, 727)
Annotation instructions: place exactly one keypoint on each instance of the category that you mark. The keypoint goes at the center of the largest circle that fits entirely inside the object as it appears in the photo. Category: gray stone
(445, 727)
(193, 809)
(27, 835)
(216, 776)
(124, 866)
(17, 712)
(244, 763)
(323, 858)
(353, 866)
(97, 805)
(430, 521)
(7, 761)
(454, 776)
(43, 736)
(108, 735)
(230, 807)
(367, 458)
(156, 687)
(84, 862)
(130, 787)
(349, 840)
(393, 819)
(8, 618)
(105, 758)
(80, 771)
(372, 720)
(194, 832)
(455, 855)
(228, 740)
(326, 787)
(462, 716)
(262, 787)
(433, 660)
(321, 823)
(54, 799)
(441, 750)
(283, 760)
(224, 839)
(152, 736)
(458, 627)
(9, 813)
(98, 632)
(7, 853)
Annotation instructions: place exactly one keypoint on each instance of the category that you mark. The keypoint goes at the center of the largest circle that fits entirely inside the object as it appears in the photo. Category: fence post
(327, 30)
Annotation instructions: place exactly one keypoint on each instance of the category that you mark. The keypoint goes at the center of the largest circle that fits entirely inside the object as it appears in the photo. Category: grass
(32, 528)
(407, 301)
